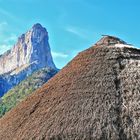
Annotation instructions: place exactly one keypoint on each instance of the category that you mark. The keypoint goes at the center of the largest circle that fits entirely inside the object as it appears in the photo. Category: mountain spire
(31, 48)
(31, 53)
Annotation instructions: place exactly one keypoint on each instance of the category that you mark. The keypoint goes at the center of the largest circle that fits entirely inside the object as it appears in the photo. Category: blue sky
(73, 25)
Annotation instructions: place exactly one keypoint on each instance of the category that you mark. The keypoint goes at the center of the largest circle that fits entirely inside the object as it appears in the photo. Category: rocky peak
(31, 48)
(37, 26)
(31, 53)
(38, 32)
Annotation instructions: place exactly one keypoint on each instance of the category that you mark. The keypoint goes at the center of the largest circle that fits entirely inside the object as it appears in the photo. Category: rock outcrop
(31, 53)
(32, 48)
(96, 96)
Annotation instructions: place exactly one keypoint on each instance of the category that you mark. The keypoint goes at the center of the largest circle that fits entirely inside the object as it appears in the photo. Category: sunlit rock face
(31, 48)
(30, 53)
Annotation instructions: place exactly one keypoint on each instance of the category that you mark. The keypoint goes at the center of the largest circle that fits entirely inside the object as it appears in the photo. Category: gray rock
(32, 52)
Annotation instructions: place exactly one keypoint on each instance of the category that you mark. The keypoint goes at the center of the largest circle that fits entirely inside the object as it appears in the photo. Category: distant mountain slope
(26, 87)
(31, 52)
(95, 97)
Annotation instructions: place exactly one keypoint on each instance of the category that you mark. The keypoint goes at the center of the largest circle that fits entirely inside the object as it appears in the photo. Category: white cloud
(11, 16)
(7, 14)
(76, 31)
(6, 40)
(12, 38)
(3, 25)
(4, 48)
(59, 55)
(3, 31)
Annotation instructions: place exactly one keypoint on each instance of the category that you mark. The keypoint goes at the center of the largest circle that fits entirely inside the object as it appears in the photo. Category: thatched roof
(96, 96)
(110, 40)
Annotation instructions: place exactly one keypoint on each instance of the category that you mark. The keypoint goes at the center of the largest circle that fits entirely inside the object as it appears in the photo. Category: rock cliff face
(95, 97)
(32, 48)
(31, 53)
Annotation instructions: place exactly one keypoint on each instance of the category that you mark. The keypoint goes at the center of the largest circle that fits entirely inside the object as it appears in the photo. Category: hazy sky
(73, 25)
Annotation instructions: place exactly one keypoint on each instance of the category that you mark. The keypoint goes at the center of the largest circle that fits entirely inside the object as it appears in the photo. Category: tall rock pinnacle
(30, 53)
(32, 48)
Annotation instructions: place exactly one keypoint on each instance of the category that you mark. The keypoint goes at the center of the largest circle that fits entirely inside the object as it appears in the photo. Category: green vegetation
(25, 88)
